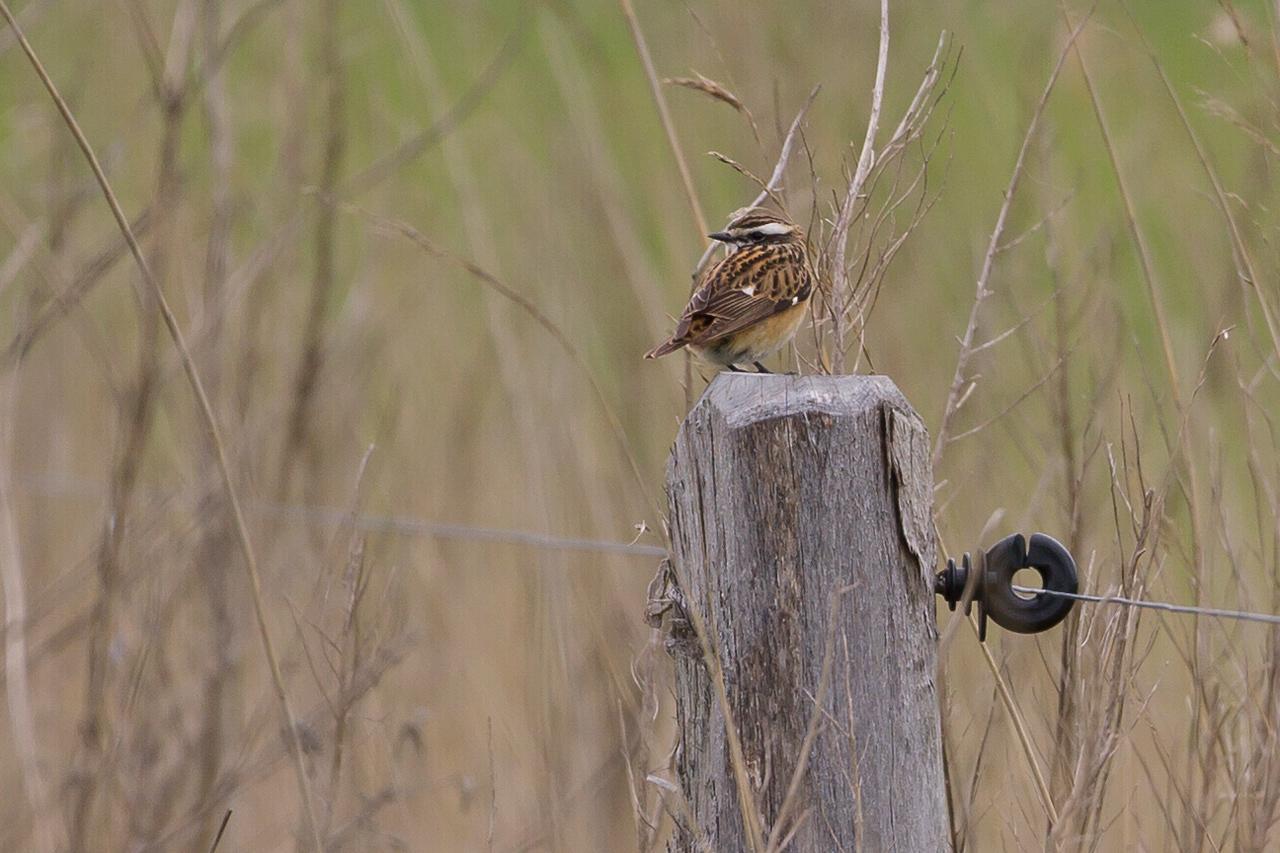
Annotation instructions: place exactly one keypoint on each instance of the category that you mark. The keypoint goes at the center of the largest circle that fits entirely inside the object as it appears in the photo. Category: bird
(750, 304)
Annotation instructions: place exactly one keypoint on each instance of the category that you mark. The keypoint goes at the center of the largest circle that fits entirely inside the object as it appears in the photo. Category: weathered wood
(784, 491)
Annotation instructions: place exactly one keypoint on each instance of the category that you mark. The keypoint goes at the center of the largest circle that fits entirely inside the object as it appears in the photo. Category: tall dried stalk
(17, 688)
(664, 113)
(169, 82)
(1147, 266)
(960, 389)
(956, 394)
(206, 413)
(214, 553)
(863, 239)
(840, 282)
(673, 142)
(299, 435)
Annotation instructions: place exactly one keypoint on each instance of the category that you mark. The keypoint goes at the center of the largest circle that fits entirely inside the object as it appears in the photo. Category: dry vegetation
(415, 250)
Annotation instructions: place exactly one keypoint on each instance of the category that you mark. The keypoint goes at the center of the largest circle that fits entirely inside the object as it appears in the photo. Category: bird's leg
(733, 368)
(760, 368)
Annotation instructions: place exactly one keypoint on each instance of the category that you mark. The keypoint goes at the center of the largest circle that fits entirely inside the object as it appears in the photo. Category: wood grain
(783, 492)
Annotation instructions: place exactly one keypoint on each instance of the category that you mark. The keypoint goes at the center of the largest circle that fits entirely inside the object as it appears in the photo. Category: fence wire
(329, 516)
(409, 526)
(1168, 607)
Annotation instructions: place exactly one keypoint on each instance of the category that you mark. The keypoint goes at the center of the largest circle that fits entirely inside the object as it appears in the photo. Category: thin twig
(492, 281)
(840, 283)
(664, 113)
(686, 178)
(774, 183)
(1020, 727)
(222, 828)
(1026, 392)
(16, 670)
(1249, 274)
(955, 394)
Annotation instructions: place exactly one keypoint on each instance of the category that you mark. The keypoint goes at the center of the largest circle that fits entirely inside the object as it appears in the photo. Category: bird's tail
(664, 348)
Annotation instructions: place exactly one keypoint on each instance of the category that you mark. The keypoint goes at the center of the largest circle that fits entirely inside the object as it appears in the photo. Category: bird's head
(756, 225)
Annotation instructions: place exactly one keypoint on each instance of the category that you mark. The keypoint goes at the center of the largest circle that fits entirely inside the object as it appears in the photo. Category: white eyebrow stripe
(771, 229)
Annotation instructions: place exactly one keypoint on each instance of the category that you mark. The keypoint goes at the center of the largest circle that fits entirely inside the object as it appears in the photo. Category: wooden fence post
(801, 531)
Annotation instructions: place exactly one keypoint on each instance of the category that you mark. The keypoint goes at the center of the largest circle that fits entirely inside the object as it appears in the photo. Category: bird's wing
(750, 285)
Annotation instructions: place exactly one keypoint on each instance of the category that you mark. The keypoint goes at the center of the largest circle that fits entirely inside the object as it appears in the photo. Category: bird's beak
(721, 236)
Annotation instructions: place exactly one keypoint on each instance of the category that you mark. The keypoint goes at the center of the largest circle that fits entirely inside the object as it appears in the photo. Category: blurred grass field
(460, 694)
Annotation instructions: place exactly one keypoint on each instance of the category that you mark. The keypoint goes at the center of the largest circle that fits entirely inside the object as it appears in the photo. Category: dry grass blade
(673, 140)
(1249, 273)
(664, 113)
(404, 153)
(773, 186)
(17, 665)
(222, 829)
(1019, 726)
(1131, 219)
(956, 394)
(206, 414)
(420, 240)
(1222, 110)
(746, 173)
(840, 284)
(709, 87)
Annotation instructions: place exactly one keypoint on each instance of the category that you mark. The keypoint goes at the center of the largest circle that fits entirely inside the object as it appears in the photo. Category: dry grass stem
(664, 113)
(17, 667)
(772, 188)
(206, 412)
(710, 88)
(957, 393)
(866, 158)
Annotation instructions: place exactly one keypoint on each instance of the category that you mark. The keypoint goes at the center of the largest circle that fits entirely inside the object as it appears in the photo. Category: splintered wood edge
(909, 467)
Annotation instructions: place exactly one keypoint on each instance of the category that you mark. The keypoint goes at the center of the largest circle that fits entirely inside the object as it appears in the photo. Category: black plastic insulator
(993, 584)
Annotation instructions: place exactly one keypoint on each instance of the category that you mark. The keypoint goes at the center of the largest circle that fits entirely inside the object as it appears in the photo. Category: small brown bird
(749, 305)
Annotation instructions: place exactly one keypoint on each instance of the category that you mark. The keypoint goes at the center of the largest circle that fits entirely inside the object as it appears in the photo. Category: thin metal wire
(408, 526)
(1241, 615)
(401, 525)
(438, 530)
